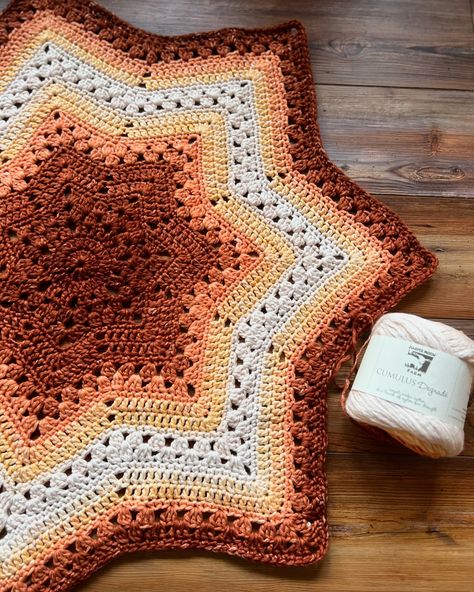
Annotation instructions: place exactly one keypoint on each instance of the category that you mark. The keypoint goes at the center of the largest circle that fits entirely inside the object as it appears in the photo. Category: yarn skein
(425, 434)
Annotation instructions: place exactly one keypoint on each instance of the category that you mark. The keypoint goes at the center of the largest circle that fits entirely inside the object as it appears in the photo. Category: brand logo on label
(419, 361)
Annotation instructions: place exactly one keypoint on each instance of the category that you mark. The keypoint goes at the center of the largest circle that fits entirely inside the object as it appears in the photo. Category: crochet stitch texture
(181, 270)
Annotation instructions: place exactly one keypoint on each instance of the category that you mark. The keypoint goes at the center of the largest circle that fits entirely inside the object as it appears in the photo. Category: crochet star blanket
(181, 271)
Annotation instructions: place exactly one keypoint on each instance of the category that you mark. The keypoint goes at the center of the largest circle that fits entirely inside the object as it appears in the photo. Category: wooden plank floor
(395, 84)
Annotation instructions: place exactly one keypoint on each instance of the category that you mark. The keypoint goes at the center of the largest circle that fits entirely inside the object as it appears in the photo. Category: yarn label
(416, 377)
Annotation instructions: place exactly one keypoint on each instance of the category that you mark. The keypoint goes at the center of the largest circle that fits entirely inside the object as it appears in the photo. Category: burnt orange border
(279, 541)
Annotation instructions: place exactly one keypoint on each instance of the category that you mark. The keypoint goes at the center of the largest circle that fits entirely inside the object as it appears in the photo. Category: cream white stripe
(298, 284)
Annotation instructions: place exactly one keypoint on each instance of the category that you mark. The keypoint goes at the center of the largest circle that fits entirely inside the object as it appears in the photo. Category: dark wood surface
(395, 85)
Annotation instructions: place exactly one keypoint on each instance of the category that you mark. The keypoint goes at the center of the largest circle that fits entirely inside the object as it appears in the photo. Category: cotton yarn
(181, 268)
(424, 434)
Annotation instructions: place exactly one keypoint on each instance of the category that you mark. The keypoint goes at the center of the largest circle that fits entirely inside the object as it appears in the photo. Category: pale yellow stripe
(254, 497)
(139, 129)
(277, 257)
(306, 315)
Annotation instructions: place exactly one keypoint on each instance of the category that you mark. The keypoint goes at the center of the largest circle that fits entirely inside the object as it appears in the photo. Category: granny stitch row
(181, 271)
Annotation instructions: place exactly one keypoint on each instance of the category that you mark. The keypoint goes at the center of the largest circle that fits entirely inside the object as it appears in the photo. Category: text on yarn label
(420, 378)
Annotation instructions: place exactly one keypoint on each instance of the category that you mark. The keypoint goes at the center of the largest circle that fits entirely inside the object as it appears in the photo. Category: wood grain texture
(446, 227)
(404, 43)
(401, 141)
(393, 140)
(396, 524)
(395, 88)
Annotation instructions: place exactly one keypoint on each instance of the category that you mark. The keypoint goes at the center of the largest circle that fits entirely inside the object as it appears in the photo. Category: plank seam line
(420, 88)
